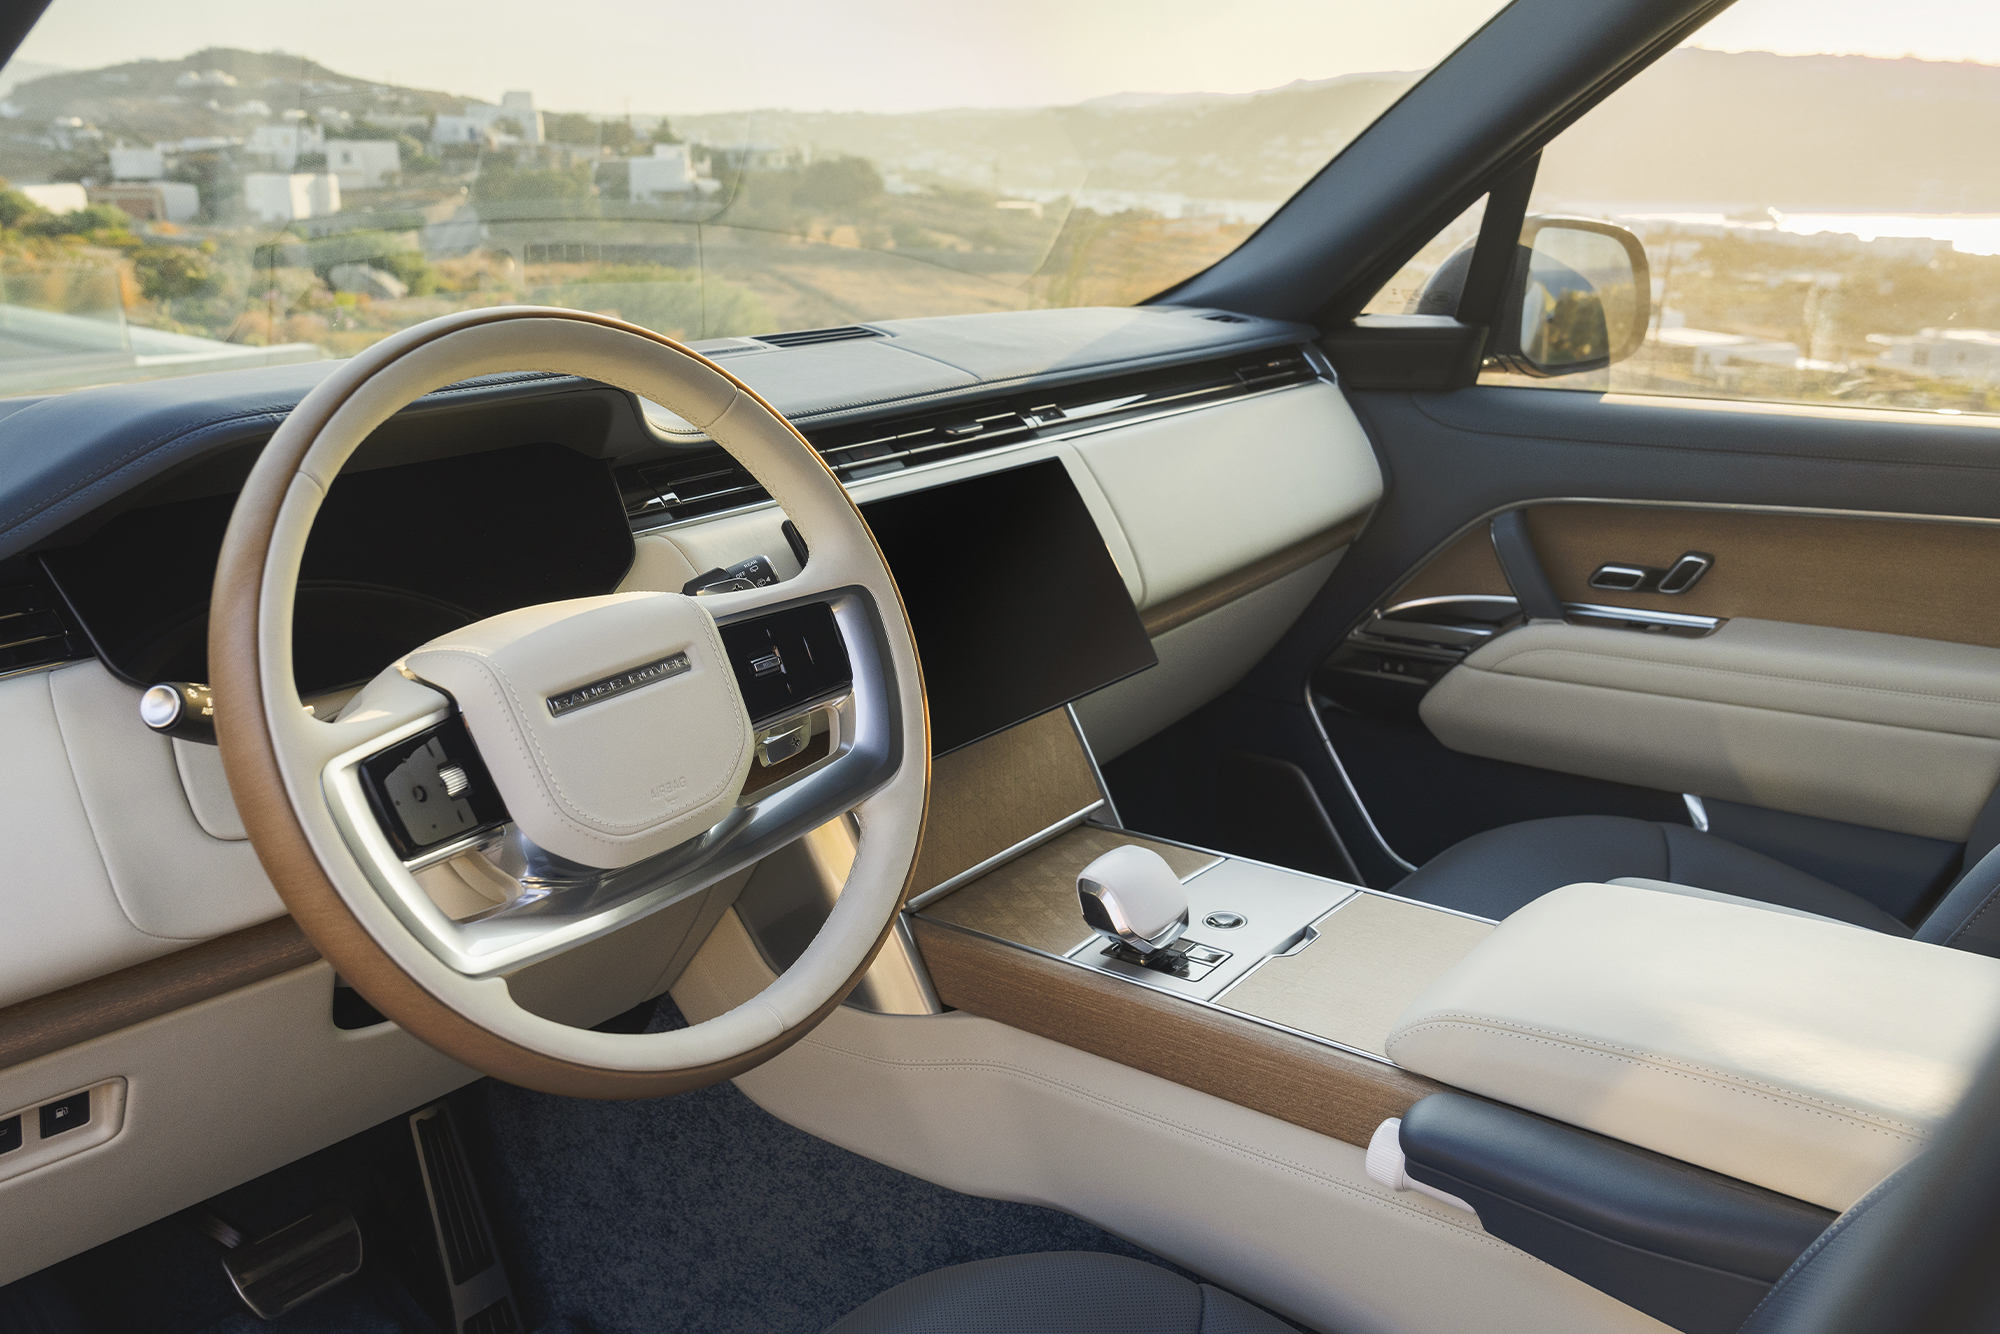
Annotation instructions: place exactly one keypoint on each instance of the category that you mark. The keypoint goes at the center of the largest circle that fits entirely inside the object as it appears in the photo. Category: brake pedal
(292, 1265)
(482, 1300)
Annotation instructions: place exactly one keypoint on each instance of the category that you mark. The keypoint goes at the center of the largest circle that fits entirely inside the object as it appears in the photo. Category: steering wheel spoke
(418, 807)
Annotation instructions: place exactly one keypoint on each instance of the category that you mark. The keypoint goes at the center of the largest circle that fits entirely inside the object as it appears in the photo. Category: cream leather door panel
(1886, 731)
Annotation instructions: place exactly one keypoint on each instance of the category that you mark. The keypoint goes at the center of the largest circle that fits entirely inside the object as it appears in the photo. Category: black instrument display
(1017, 605)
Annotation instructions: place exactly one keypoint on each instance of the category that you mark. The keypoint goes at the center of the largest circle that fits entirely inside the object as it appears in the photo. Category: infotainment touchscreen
(1015, 601)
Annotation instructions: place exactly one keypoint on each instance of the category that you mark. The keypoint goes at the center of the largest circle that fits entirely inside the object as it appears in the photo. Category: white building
(364, 164)
(138, 164)
(1949, 354)
(1714, 350)
(481, 122)
(62, 197)
(284, 144)
(668, 173)
(152, 201)
(289, 197)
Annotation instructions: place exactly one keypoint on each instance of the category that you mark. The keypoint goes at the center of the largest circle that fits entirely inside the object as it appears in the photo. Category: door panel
(1849, 519)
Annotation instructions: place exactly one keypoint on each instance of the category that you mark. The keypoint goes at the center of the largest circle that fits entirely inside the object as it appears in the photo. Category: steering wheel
(572, 766)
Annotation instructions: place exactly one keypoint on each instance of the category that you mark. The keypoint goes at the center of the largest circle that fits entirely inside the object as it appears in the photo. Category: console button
(10, 1134)
(67, 1114)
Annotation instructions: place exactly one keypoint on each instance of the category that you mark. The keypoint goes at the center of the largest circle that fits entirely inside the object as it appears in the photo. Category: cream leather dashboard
(1806, 1056)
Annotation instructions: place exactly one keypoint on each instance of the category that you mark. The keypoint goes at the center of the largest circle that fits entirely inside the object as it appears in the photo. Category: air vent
(926, 441)
(34, 629)
(1288, 368)
(701, 482)
(1228, 319)
(808, 337)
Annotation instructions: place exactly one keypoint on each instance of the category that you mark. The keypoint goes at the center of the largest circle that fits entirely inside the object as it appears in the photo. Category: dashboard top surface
(63, 457)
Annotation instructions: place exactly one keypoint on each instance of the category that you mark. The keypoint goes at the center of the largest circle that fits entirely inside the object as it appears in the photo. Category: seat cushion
(1494, 873)
(1057, 1292)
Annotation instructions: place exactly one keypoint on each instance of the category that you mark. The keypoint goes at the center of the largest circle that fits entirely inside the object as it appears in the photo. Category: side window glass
(1821, 226)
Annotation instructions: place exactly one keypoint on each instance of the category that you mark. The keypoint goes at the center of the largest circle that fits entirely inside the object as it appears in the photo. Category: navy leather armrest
(1687, 1246)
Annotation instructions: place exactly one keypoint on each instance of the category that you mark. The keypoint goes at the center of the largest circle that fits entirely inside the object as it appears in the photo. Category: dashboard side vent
(705, 481)
(35, 630)
(808, 337)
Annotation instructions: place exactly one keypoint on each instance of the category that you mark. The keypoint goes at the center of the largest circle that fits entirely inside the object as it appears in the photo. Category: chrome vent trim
(703, 480)
(35, 626)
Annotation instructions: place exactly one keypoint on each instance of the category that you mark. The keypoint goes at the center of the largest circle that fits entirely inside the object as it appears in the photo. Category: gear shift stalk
(1131, 897)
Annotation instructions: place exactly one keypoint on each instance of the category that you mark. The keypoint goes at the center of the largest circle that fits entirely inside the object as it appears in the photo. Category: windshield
(236, 183)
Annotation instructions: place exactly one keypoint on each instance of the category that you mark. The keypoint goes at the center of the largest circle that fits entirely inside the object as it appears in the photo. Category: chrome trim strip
(1360, 806)
(1611, 613)
(46, 666)
(936, 892)
(1103, 788)
(1050, 435)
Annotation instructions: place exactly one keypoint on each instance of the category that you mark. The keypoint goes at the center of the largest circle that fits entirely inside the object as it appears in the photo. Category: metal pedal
(292, 1265)
(482, 1300)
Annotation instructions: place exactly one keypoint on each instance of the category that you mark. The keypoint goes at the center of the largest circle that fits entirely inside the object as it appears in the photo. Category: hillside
(148, 100)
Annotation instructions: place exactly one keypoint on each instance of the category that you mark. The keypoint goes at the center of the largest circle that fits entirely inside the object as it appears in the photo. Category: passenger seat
(1494, 873)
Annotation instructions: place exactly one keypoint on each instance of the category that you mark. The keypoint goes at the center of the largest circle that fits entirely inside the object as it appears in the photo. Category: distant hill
(1209, 145)
(1801, 133)
(1701, 130)
(147, 100)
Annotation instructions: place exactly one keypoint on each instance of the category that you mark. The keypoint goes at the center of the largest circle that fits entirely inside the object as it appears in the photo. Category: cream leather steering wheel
(592, 753)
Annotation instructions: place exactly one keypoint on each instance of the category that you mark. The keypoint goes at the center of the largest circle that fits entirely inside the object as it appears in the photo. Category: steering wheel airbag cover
(612, 726)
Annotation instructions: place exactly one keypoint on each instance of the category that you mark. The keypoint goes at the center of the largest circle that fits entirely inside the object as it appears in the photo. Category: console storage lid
(1808, 1057)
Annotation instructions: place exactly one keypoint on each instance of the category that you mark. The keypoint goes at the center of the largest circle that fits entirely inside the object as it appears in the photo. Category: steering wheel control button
(10, 1134)
(184, 709)
(1225, 921)
(420, 796)
(431, 789)
(787, 659)
(65, 1114)
(783, 742)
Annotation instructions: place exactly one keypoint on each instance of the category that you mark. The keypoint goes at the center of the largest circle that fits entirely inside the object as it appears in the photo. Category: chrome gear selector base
(1131, 897)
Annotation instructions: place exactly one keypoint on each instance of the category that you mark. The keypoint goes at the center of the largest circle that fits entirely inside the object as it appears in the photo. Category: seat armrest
(1687, 1246)
(1806, 1057)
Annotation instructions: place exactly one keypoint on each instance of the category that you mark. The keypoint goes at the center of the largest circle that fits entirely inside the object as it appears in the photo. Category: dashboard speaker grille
(807, 337)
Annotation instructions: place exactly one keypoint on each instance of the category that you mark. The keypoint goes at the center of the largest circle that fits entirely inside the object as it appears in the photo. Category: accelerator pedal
(482, 1300)
(291, 1266)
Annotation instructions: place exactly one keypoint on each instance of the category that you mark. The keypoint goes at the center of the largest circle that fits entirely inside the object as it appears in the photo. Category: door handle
(1679, 577)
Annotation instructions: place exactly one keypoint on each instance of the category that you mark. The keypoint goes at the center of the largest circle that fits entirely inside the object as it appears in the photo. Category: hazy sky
(606, 56)
(873, 55)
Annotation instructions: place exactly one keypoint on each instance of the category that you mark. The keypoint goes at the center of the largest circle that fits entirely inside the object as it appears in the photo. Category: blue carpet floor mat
(704, 1212)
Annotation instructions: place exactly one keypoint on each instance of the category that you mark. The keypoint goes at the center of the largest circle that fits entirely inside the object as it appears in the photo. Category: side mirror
(1582, 294)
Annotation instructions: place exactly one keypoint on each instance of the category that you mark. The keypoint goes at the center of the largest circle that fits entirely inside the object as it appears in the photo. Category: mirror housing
(1579, 298)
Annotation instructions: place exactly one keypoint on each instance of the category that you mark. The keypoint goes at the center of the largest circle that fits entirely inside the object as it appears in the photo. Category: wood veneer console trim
(989, 796)
(145, 991)
(1924, 576)
(1198, 602)
(1310, 1085)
